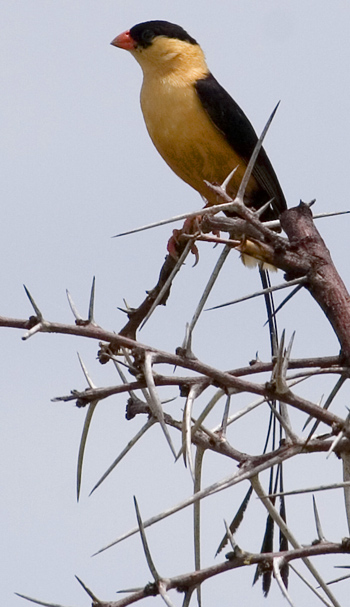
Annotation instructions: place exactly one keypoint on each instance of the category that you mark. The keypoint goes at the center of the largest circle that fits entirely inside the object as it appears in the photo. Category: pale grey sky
(77, 167)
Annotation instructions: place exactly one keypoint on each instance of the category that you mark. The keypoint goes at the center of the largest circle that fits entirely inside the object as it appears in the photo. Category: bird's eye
(147, 36)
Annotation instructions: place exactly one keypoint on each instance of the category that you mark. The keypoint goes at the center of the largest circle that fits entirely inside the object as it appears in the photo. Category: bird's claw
(179, 239)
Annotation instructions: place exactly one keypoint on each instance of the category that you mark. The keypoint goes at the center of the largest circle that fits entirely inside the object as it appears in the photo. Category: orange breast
(188, 141)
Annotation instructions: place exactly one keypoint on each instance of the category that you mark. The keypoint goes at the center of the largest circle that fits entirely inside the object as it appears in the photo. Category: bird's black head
(144, 33)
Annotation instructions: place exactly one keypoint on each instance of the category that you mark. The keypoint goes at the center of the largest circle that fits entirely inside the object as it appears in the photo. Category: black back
(239, 133)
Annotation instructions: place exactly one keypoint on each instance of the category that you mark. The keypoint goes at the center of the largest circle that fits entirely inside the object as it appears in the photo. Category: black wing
(228, 117)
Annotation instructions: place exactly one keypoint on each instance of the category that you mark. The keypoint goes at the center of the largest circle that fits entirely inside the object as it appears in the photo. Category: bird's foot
(179, 239)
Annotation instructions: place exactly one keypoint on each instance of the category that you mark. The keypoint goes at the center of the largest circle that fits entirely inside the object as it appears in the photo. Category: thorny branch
(236, 559)
(301, 254)
(208, 375)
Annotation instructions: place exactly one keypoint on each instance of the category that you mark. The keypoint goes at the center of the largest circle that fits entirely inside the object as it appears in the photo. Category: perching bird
(196, 126)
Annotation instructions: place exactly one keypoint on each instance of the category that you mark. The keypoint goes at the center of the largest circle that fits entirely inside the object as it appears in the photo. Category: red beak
(124, 41)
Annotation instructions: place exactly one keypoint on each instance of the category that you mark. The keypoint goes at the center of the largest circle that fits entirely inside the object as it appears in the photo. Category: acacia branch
(219, 378)
(235, 560)
(324, 282)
